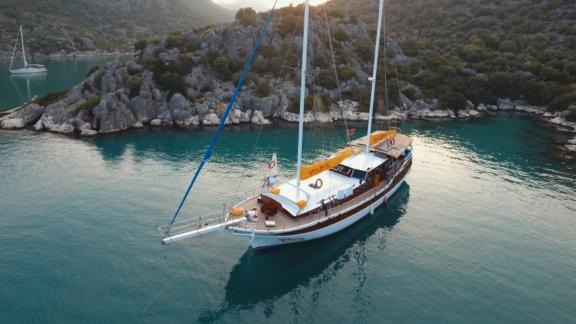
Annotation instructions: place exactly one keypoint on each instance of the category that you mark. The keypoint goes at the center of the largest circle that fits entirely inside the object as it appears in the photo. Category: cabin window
(349, 172)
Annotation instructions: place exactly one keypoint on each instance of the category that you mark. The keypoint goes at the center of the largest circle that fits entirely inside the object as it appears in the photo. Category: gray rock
(181, 110)
(440, 113)
(164, 113)
(211, 119)
(26, 115)
(505, 104)
(463, 113)
(202, 108)
(112, 115)
(473, 113)
(170, 55)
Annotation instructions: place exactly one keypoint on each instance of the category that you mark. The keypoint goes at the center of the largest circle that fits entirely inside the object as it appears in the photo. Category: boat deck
(284, 221)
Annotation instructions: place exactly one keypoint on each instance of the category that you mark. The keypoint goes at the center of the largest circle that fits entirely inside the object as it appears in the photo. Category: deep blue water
(483, 231)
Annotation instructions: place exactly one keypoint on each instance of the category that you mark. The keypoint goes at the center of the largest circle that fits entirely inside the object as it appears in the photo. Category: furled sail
(272, 178)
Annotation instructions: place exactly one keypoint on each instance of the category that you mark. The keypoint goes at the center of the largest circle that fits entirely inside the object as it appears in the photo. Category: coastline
(29, 116)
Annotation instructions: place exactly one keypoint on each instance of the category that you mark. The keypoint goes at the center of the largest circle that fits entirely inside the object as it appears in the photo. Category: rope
(227, 112)
(385, 62)
(334, 67)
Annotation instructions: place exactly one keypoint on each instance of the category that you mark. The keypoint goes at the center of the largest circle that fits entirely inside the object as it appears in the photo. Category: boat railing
(320, 214)
(192, 224)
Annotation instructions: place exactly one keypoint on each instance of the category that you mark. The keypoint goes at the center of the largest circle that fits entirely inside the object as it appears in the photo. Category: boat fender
(237, 211)
(318, 184)
(275, 190)
(302, 203)
(391, 141)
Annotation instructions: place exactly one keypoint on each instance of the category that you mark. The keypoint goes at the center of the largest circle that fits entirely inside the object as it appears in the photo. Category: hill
(61, 26)
(482, 50)
(458, 59)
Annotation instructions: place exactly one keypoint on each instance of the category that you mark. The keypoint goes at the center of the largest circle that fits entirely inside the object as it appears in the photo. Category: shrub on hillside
(263, 88)
(562, 102)
(246, 16)
(172, 82)
(51, 97)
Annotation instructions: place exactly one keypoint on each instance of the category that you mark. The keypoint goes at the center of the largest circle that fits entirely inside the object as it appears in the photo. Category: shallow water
(482, 232)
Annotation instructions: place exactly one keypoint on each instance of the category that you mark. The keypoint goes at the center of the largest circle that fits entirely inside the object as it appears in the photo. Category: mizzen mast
(374, 72)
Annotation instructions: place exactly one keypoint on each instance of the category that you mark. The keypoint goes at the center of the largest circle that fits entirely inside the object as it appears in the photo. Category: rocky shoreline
(113, 114)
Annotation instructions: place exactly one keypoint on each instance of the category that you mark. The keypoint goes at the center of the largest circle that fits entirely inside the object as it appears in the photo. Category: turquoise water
(483, 231)
(62, 74)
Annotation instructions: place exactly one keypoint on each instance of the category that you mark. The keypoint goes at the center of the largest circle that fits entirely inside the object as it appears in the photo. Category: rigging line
(227, 112)
(334, 67)
(385, 60)
(239, 180)
(162, 290)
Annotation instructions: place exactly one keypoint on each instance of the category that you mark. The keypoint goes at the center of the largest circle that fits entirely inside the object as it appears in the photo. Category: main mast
(374, 71)
(302, 95)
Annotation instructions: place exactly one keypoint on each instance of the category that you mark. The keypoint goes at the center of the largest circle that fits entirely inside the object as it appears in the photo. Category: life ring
(271, 164)
(390, 141)
(318, 184)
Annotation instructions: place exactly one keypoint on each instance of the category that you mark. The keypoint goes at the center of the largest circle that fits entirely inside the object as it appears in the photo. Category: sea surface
(483, 231)
(62, 74)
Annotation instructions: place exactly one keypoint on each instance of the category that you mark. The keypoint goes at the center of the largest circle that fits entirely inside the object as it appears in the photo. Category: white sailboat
(326, 196)
(28, 68)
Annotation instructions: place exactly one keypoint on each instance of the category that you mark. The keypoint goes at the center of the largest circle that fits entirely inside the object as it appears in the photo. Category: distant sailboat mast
(302, 95)
(23, 50)
(374, 72)
(14, 50)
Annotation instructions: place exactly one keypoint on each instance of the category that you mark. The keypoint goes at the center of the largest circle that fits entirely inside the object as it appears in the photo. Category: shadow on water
(242, 143)
(264, 277)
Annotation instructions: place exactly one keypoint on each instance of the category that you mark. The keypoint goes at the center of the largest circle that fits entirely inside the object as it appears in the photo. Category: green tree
(246, 16)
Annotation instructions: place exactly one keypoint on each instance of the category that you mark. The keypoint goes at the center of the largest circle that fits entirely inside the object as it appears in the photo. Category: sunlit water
(483, 231)
(62, 74)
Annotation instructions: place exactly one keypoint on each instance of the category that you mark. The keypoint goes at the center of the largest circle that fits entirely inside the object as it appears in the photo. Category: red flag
(350, 131)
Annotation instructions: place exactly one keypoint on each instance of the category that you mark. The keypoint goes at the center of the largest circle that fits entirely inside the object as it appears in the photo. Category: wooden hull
(335, 223)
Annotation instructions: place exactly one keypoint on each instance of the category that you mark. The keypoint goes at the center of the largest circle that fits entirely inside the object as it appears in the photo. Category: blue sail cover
(227, 112)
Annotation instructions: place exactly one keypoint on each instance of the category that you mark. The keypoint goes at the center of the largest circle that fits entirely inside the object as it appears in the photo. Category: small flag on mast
(351, 131)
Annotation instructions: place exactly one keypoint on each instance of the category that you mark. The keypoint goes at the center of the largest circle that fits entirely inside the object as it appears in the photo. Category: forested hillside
(482, 50)
(63, 26)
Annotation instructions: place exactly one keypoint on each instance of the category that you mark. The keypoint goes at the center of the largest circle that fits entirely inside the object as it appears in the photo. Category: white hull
(262, 240)
(29, 71)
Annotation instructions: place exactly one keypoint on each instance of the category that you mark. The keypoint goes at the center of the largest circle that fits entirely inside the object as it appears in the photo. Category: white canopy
(334, 185)
(363, 161)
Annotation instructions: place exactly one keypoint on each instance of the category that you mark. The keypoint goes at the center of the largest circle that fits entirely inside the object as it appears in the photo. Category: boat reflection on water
(264, 277)
(22, 84)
